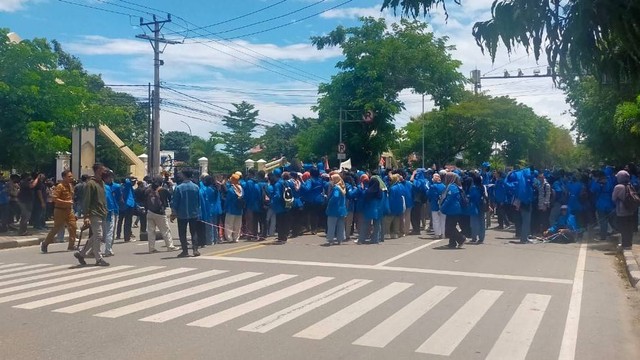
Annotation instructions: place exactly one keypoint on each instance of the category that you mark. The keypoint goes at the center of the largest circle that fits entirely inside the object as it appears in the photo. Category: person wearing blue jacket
(450, 205)
(436, 190)
(283, 214)
(336, 211)
(566, 226)
(209, 212)
(260, 206)
(523, 192)
(185, 206)
(602, 189)
(408, 198)
(419, 189)
(126, 210)
(478, 197)
(351, 205)
(501, 200)
(109, 225)
(374, 208)
(397, 206)
(234, 207)
(312, 192)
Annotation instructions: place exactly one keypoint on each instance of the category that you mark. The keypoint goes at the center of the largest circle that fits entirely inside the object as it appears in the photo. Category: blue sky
(242, 57)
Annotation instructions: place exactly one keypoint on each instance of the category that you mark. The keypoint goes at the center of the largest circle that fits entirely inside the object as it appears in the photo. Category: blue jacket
(336, 204)
(565, 222)
(205, 205)
(313, 191)
(500, 192)
(127, 195)
(435, 190)
(408, 193)
(277, 201)
(475, 200)
(185, 203)
(231, 205)
(419, 188)
(451, 203)
(397, 206)
(251, 195)
(260, 188)
(112, 203)
(372, 204)
(4, 193)
(602, 192)
(575, 190)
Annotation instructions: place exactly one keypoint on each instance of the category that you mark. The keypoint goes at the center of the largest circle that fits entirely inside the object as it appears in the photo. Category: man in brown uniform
(62, 212)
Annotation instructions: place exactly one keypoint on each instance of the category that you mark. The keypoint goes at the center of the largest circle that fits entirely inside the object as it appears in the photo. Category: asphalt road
(405, 299)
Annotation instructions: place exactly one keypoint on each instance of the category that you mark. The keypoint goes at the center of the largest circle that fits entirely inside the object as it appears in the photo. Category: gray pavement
(407, 298)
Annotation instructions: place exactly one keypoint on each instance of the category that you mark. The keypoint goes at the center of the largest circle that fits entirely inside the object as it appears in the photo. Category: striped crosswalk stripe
(35, 271)
(101, 289)
(164, 299)
(84, 273)
(20, 268)
(445, 340)
(51, 274)
(6, 266)
(77, 284)
(137, 292)
(337, 321)
(293, 312)
(255, 304)
(216, 299)
(517, 336)
(386, 331)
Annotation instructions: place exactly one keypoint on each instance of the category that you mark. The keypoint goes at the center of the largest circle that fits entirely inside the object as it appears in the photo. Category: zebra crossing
(159, 294)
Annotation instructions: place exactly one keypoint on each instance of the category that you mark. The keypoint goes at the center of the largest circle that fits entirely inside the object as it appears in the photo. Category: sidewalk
(11, 239)
(632, 261)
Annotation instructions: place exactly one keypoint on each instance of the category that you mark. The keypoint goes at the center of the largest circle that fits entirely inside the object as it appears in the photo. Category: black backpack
(287, 196)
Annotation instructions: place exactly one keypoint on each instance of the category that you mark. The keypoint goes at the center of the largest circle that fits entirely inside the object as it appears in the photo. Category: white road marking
(381, 335)
(570, 336)
(215, 299)
(137, 292)
(43, 276)
(100, 289)
(6, 266)
(89, 272)
(342, 318)
(389, 268)
(164, 299)
(95, 280)
(293, 312)
(20, 268)
(255, 304)
(407, 253)
(517, 336)
(38, 270)
(447, 338)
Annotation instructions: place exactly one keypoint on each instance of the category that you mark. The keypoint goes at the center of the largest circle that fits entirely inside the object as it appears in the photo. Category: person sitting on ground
(565, 228)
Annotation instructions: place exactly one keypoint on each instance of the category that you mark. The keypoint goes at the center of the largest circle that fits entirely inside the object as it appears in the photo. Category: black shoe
(183, 254)
(78, 256)
(43, 247)
(101, 262)
(196, 253)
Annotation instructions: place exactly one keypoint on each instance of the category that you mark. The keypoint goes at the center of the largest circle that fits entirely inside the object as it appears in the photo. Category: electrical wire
(97, 8)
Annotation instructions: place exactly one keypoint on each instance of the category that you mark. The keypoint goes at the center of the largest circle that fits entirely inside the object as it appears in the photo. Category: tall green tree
(283, 139)
(178, 141)
(241, 123)
(379, 62)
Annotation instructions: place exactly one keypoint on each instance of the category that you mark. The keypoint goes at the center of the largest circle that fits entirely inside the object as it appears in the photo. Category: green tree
(219, 162)
(283, 139)
(241, 123)
(379, 63)
(179, 142)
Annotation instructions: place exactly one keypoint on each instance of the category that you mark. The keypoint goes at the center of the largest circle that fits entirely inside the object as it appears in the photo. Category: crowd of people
(285, 203)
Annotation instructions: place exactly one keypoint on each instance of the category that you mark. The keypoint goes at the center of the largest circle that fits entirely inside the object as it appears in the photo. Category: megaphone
(346, 164)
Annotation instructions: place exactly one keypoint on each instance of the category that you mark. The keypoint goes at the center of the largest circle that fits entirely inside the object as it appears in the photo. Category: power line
(97, 8)
(270, 19)
(229, 20)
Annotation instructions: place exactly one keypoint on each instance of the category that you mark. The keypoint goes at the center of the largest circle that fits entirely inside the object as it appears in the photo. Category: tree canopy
(379, 62)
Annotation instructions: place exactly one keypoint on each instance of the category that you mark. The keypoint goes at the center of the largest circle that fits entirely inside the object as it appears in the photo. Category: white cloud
(237, 56)
(12, 5)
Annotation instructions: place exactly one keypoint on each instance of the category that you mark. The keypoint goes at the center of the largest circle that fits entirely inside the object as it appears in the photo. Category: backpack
(287, 196)
(464, 200)
(631, 199)
(484, 200)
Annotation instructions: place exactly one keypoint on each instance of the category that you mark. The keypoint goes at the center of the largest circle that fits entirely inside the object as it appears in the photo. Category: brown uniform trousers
(63, 216)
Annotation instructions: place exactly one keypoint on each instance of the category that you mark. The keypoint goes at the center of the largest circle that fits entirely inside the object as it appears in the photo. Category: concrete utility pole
(154, 146)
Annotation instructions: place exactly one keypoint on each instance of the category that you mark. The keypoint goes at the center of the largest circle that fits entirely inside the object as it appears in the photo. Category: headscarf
(377, 178)
(235, 184)
(337, 181)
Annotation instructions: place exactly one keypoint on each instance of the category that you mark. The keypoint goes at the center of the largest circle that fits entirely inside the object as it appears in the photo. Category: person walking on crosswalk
(62, 212)
(95, 213)
(156, 202)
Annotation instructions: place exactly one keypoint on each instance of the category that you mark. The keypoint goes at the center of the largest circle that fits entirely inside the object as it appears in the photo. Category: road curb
(11, 244)
(633, 269)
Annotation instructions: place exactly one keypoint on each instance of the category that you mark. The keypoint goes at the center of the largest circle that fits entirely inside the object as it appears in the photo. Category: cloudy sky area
(253, 50)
